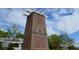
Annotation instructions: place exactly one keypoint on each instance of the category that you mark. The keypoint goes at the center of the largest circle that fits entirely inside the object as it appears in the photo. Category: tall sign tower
(35, 37)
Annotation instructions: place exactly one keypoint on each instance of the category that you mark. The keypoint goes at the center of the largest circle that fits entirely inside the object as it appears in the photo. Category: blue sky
(58, 19)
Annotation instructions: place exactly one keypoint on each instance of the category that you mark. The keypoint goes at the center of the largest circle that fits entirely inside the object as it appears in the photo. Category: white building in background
(6, 41)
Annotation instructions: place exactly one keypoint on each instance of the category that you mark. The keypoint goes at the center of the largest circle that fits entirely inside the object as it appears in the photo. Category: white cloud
(49, 26)
(17, 18)
(66, 23)
(69, 23)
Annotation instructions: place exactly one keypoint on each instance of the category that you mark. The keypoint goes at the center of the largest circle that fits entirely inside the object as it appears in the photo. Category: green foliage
(11, 46)
(59, 42)
(3, 34)
(19, 35)
(66, 39)
(12, 31)
(54, 42)
(71, 47)
(1, 48)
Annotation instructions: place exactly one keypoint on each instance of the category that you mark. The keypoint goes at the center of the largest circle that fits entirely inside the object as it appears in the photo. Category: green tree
(3, 34)
(12, 31)
(60, 41)
(54, 42)
(19, 35)
(66, 41)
